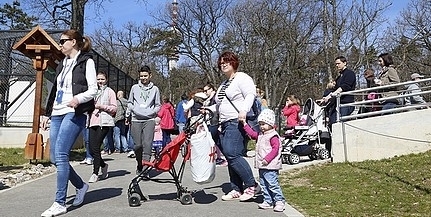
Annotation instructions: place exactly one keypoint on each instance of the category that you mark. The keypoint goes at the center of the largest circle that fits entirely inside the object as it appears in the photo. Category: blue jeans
(272, 192)
(389, 105)
(85, 135)
(181, 127)
(232, 140)
(108, 142)
(344, 111)
(130, 142)
(120, 136)
(64, 130)
(166, 137)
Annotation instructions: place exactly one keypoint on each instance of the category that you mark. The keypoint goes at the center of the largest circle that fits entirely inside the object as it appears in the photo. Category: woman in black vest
(69, 102)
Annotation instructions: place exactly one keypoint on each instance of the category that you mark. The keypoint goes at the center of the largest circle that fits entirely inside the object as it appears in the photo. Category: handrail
(384, 87)
(366, 90)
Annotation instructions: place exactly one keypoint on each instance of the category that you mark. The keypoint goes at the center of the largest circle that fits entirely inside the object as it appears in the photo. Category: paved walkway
(109, 197)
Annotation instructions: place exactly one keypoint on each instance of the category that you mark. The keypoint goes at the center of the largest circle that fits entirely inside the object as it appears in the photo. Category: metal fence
(17, 79)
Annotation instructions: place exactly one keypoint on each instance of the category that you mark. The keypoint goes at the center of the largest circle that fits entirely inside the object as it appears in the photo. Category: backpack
(255, 110)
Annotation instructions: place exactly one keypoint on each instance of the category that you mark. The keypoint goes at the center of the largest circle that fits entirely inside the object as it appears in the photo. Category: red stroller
(164, 162)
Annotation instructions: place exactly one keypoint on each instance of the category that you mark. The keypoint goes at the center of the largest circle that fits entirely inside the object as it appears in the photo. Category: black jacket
(347, 81)
(79, 85)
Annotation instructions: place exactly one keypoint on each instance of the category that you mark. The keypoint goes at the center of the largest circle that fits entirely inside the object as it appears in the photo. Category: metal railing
(426, 90)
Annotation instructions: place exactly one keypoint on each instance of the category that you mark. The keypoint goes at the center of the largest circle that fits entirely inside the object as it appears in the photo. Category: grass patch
(13, 158)
(399, 186)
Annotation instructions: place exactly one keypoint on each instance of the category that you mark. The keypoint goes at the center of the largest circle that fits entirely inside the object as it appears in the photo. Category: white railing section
(402, 87)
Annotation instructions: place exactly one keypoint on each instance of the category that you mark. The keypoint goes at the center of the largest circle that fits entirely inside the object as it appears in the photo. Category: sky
(139, 12)
(122, 11)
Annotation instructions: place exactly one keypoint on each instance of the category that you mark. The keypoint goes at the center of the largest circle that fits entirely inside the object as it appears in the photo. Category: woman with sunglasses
(70, 101)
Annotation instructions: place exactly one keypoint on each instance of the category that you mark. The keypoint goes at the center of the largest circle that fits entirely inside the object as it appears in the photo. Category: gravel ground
(12, 177)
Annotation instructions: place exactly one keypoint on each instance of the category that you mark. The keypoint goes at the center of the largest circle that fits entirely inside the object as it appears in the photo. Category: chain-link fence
(17, 79)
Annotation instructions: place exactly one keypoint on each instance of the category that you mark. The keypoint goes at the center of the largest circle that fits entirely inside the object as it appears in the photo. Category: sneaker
(138, 172)
(279, 206)
(55, 210)
(131, 154)
(93, 178)
(248, 194)
(232, 195)
(80, 194)
(105, 171)
(87, 161)
(103, 153)
(264, 205)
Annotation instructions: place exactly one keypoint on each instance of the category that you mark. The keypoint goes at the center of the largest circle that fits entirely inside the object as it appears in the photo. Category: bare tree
(127, 48)
(62, 14)
(274, 44)
(410, 39)
(199, 23)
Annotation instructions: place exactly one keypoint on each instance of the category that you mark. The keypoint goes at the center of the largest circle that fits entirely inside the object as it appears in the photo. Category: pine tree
(14, 18)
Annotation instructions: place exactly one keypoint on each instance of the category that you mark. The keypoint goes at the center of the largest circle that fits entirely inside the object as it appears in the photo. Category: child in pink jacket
(291, 112)
(267, 160)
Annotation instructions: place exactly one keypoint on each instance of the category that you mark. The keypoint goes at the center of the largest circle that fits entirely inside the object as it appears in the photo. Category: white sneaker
(55, 210)
(87, 161)
(80, 194)
(105, 171)
(93, 178)
(131, 154)
(232, 195)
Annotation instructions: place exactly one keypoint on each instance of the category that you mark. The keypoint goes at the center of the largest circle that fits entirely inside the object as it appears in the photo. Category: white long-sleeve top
(241, 92)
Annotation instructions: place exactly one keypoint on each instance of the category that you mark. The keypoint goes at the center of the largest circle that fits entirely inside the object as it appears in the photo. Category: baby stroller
(164, 162)
(306, 138)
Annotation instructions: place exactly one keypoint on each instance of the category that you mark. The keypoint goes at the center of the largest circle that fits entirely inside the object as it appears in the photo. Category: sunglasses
(62, 41)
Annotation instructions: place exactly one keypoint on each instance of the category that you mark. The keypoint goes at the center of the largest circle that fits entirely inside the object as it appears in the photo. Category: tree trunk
(78, 7)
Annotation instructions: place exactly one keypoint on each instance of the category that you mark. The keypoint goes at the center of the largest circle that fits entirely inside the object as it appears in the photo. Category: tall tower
(174, 56)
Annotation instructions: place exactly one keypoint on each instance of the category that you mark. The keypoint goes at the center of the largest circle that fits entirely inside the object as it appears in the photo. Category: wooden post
(43, 51)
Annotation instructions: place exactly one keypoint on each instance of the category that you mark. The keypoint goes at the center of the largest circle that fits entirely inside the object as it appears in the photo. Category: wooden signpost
(44, 51)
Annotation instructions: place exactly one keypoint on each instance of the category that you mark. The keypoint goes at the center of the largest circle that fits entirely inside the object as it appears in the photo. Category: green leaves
(14, 18)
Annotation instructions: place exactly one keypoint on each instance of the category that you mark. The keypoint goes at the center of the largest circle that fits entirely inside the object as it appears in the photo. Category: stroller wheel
(324, 154)
(134, 200)
(313, 156)
(186, 199)
(293, 158)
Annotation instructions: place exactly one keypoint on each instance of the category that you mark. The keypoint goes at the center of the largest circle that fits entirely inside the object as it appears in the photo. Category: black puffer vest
(79, 85)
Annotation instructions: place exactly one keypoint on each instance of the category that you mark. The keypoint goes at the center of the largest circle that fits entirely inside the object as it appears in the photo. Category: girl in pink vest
(267, 160)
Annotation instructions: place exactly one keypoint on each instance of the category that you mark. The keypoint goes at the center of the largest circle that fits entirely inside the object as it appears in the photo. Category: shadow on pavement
(97, 195)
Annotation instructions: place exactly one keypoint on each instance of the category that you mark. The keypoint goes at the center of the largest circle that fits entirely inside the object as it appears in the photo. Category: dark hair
(145, 68)
(228, 57)
(341, 58)
(387, 59)
(82, 42)
(103, 73)
(184, 96)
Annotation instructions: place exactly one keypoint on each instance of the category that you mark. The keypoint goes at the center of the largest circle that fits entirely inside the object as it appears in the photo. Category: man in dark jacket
(346, 81)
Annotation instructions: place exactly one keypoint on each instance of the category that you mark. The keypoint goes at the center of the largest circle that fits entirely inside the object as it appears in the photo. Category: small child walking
(267, 160)
(158, 137)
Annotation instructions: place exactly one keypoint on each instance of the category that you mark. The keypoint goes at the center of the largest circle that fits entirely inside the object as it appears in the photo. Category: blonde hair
(295, 100)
